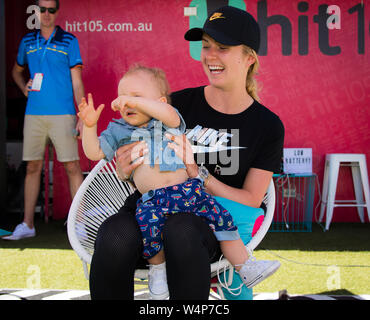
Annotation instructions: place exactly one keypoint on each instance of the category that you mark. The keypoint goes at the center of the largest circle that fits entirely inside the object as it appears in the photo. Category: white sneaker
(254, 271)
(157, 281)
(21, 231)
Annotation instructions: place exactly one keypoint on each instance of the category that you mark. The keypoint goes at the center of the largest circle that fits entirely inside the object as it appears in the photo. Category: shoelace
(20, 227)
(225, 285)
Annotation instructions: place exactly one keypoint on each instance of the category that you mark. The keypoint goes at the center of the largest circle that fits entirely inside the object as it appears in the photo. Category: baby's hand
(123, 102)
(87, 113)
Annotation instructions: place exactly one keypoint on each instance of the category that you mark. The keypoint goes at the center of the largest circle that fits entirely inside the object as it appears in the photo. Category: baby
(162, 179)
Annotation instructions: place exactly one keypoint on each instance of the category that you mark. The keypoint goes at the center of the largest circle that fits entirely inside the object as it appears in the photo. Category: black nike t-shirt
(230, 144)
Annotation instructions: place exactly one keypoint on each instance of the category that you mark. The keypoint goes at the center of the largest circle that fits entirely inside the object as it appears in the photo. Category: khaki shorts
(59, 128)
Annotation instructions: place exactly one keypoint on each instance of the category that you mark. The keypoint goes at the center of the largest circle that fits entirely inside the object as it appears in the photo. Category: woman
(254, 138)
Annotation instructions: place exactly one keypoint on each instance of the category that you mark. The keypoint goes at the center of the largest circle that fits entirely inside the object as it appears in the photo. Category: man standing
(55, 65)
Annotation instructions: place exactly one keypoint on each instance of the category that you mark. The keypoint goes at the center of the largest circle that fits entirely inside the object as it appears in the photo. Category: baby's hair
(158, 75)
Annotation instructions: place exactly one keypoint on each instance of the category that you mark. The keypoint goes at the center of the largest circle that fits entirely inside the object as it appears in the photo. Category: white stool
(360, 182)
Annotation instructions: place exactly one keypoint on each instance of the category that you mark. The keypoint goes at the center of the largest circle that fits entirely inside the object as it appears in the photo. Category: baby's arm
(157, 109)
(90, 117)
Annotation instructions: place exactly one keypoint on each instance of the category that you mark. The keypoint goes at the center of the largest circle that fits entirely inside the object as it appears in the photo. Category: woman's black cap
(230, 26)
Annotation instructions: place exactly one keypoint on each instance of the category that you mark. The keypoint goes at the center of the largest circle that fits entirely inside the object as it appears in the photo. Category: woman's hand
(87, 113)
(129, 157)
(183, 149)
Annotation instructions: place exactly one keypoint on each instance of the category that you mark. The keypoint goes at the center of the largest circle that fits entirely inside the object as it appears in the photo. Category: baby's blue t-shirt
(119, 133)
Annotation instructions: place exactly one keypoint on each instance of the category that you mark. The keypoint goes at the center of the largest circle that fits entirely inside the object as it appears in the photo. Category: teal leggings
(248, 220)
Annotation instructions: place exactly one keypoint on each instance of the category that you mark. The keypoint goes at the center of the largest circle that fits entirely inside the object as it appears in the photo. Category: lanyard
(47, 43)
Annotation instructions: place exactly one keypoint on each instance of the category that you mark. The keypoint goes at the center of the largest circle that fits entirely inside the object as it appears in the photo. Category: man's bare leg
(75, 177)
(31, 190)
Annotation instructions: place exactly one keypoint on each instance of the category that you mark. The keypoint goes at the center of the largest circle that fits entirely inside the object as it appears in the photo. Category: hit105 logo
(327, 18)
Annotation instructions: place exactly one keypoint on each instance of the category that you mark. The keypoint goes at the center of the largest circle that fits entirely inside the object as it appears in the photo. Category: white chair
(357, 162)
(102, 194)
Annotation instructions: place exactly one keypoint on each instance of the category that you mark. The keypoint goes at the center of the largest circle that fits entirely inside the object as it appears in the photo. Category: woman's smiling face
(224, 65)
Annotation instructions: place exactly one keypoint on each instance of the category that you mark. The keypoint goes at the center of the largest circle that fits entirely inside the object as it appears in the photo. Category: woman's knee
(119, 233)
(180, 227)
(187, 233)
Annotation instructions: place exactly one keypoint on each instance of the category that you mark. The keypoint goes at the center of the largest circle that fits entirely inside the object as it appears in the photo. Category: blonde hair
(251, 83)
(158, 75)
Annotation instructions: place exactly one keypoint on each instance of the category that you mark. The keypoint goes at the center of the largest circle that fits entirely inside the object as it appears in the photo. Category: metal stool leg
(357, 184)
(332, 188)
(324, 195)
(365, 184)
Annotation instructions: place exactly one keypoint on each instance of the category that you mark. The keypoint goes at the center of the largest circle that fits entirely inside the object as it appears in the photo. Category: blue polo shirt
(54, 60)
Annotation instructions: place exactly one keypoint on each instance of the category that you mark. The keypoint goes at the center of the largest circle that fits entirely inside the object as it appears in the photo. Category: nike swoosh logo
(217, 15)
(203, 149)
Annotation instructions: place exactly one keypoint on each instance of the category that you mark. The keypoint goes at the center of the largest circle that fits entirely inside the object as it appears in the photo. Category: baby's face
(138, 84)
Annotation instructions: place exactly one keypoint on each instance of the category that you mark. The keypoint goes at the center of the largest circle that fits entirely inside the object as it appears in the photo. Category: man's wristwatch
(203, 174)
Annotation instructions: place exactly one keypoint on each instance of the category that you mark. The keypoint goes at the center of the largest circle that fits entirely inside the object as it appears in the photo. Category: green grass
(307, 260)
(48, 261)
(47, 257)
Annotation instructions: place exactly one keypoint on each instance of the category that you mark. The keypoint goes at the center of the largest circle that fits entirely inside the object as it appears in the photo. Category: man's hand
(79, 128)
(27, 88)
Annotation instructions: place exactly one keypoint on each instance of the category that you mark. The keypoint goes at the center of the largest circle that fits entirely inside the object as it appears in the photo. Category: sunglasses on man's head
(51, 10)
